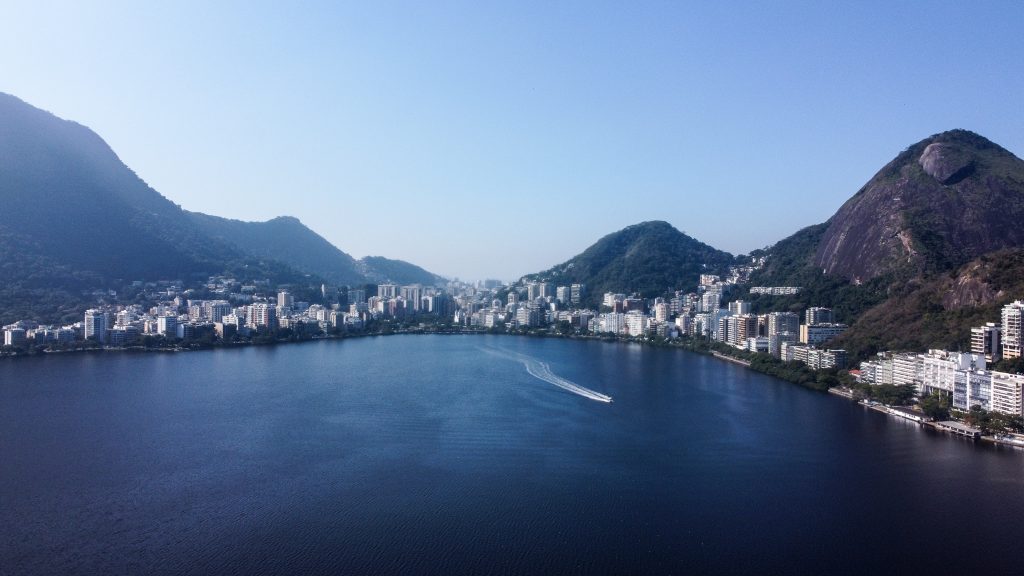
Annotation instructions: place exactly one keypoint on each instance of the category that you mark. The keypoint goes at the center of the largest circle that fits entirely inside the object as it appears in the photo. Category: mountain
(942, 202)
(286, 239)
(75, 219)
(379, 269)
(66, 196)
(944, 209)
(650, 258)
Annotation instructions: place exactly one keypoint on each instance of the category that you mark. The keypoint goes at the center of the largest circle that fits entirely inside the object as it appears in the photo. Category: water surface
(431, 455)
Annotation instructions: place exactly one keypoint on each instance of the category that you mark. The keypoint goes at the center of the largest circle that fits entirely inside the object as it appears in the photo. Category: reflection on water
(426, 455)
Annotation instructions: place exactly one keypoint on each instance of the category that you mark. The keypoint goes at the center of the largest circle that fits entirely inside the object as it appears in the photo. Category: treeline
(792, 371)
(991, 422)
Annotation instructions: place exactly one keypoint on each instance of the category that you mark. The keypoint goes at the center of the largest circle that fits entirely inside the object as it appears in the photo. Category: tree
(979, 418)
(827, 380)
(936, 406)
(893, 395)
(564, 327)
(1015, 422)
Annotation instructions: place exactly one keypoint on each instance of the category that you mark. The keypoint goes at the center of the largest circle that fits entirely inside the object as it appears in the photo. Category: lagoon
(448, 454)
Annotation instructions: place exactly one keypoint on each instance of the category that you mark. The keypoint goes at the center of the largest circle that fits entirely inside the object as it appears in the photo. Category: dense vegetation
(380, 269)
(795, 372)
(990, 422)
(650, 258)
(940, 311)
(284, 239)
(76, 220)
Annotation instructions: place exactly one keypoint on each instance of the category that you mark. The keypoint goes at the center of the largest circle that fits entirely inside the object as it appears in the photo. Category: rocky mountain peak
(939, 204)
(946, 162)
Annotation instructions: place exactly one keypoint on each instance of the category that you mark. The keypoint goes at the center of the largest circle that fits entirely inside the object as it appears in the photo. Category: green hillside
(650, 258)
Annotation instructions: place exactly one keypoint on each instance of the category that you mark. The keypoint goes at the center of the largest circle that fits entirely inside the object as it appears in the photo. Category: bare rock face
(968, 290)
(946, 163)
(939, 204)
(868, 233)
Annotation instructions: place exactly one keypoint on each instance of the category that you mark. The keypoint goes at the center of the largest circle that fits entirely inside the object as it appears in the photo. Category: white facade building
(1011, 329)
(96, 325)
(1008, 393)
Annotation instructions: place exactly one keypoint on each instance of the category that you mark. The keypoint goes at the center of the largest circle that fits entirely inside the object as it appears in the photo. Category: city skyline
(538, 128)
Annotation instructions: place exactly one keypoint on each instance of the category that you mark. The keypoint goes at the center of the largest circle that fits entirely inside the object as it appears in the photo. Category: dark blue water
(429, 455)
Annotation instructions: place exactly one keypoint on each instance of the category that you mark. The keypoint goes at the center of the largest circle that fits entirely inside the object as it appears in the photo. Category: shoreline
(197, 347)
(836, 390)
(933, 425)
(728, 358)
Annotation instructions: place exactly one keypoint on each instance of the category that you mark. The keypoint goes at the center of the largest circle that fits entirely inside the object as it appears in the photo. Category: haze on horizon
(493, 141)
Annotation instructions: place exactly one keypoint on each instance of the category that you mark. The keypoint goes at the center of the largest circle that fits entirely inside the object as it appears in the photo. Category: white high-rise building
(661, 312)
(636, 323)
(816, 334)
(710, 301)
(562, 294)
(532, 290)
(878, 371)
(96, 325)
(167, 325)
(1011, 329)
(285, 300)
(1008, 393)
(779, 322)
(817, 315)
(15, 337)
(939, 369)
(263, 315)
(576, 293)
(413, 295)
(907, 369)
(985, 341)
(739, 307)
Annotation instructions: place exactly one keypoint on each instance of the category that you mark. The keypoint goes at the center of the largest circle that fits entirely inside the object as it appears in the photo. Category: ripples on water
(423, 455)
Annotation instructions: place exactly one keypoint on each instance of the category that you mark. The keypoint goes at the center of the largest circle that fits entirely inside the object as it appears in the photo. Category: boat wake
(542, 371)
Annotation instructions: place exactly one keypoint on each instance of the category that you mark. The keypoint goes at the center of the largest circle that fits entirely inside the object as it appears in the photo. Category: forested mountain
(649, 258)
(381, 269)
(288, 240)
(68, 198)
(74, 219)
(285, 239)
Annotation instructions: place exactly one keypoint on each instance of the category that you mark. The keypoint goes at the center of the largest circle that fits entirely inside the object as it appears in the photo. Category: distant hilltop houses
(775, 290)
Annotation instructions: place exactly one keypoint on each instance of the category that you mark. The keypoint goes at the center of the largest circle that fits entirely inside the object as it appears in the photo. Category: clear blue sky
(486, 139)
